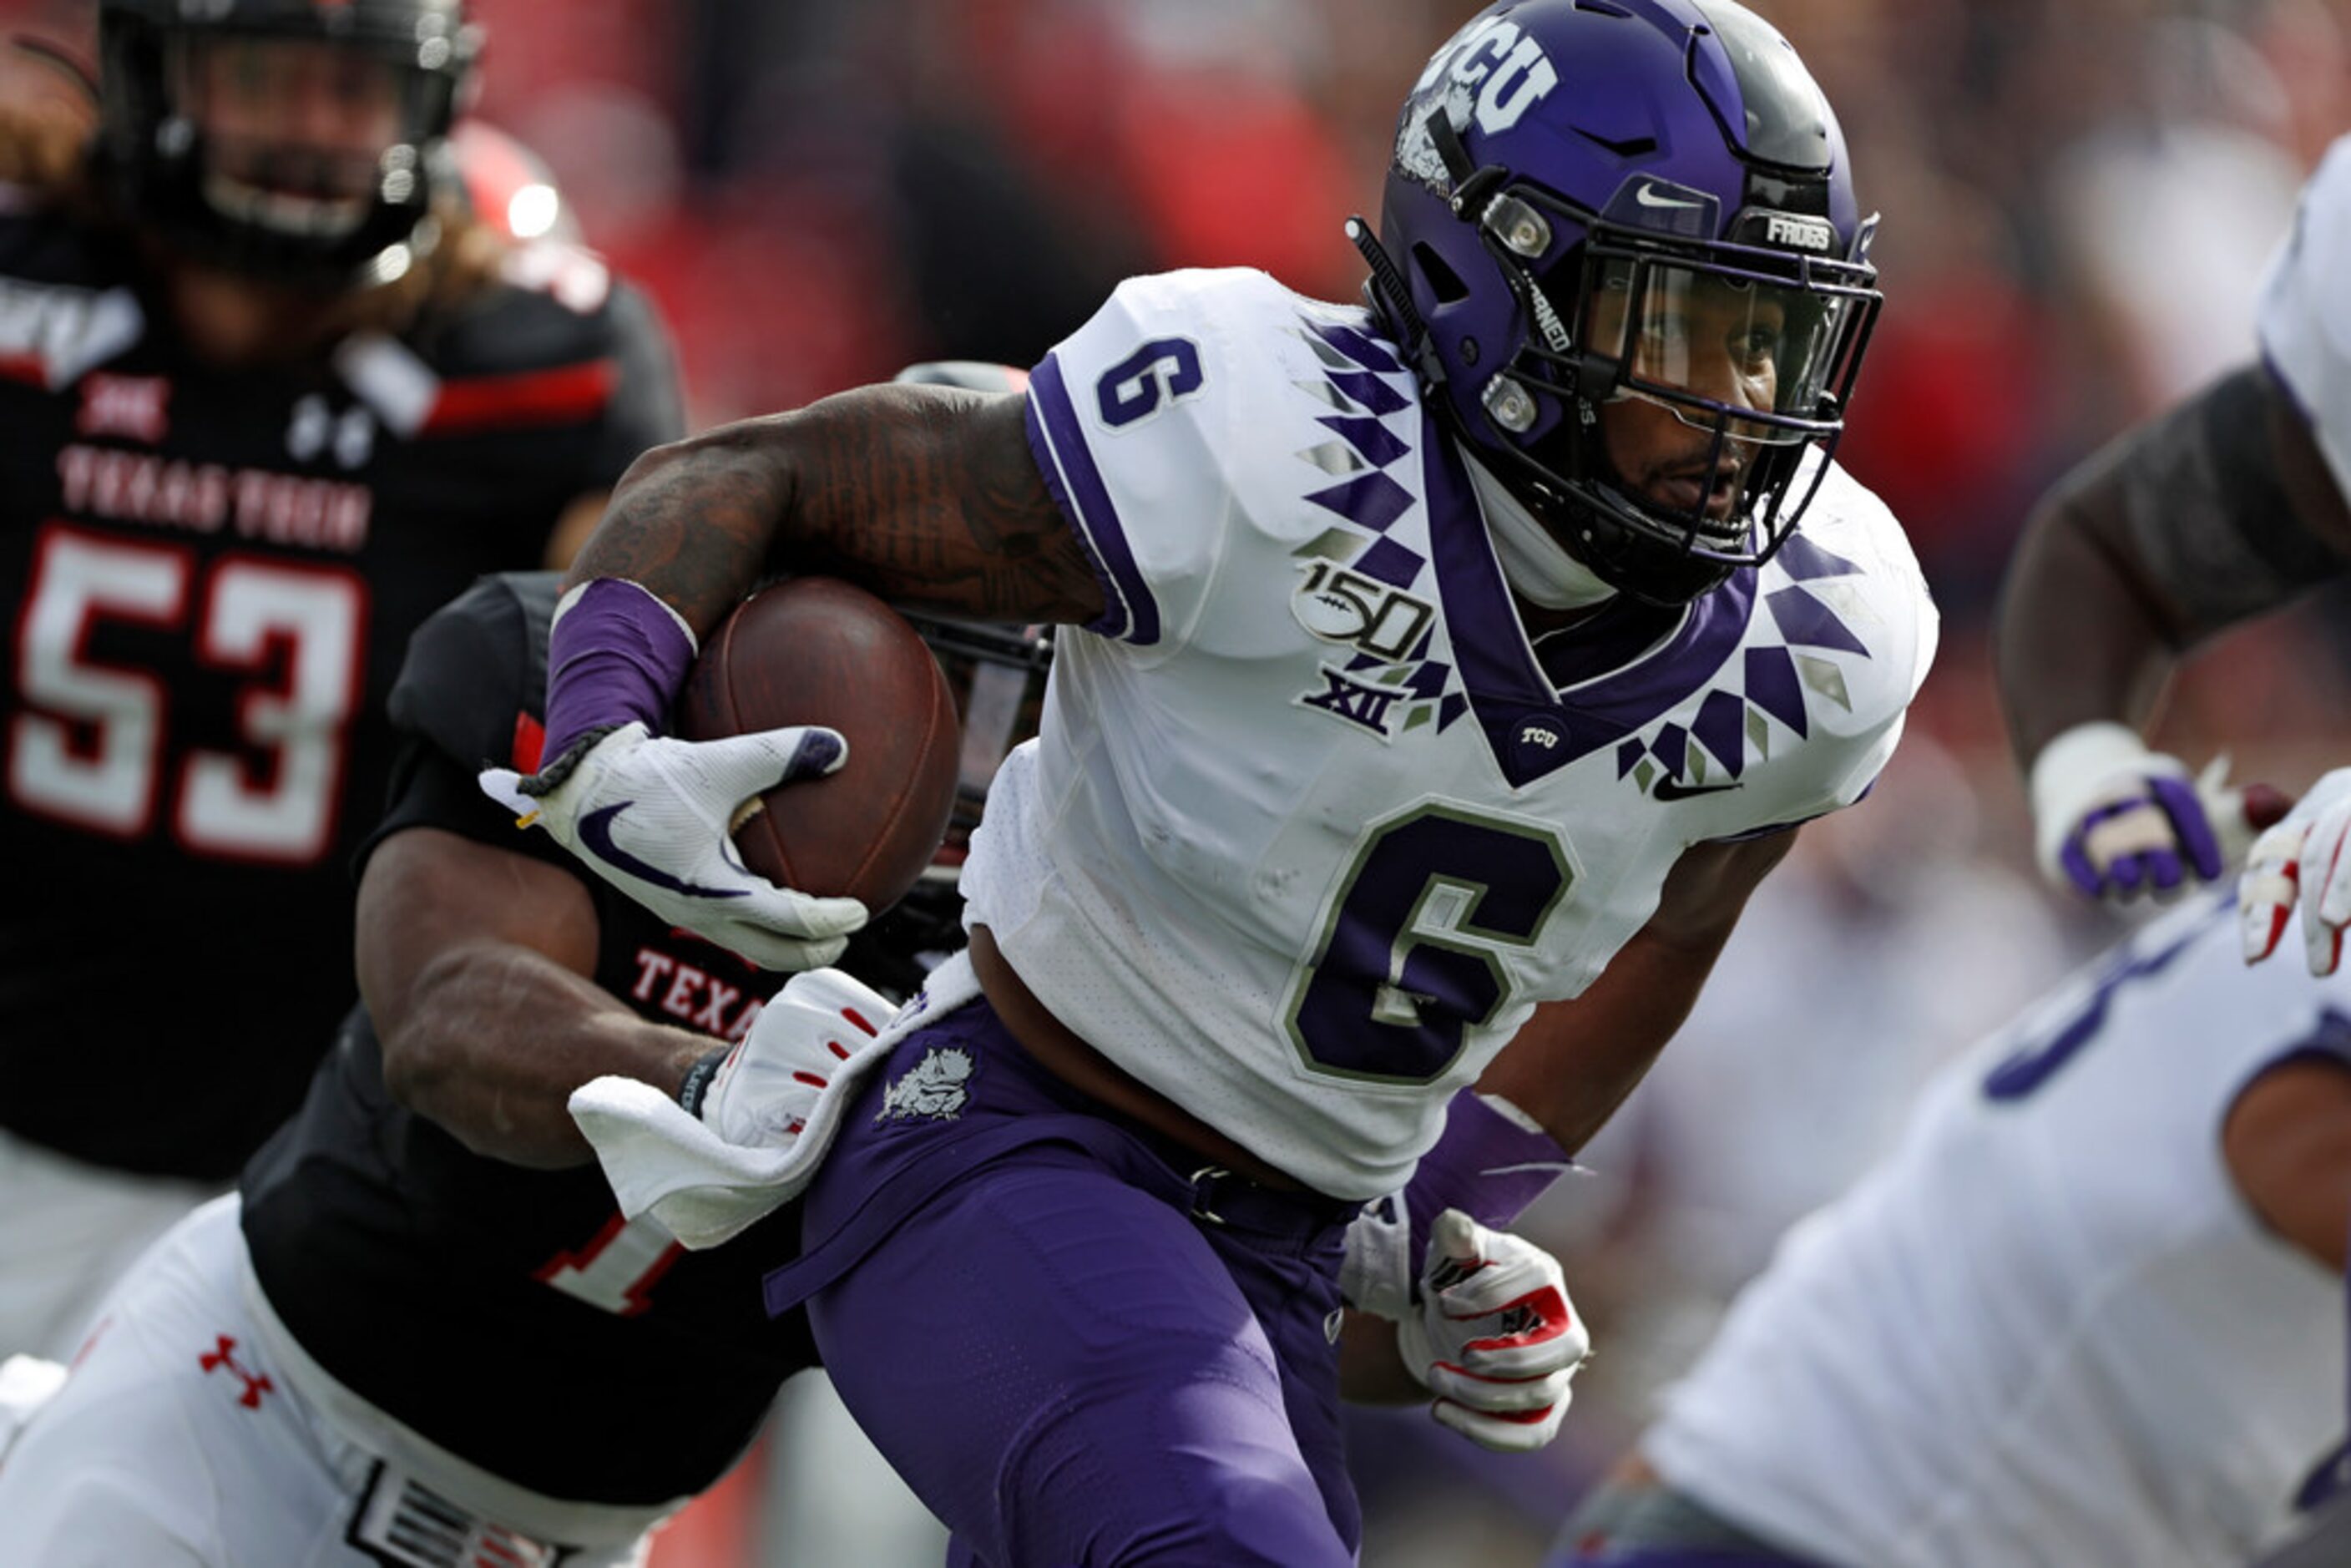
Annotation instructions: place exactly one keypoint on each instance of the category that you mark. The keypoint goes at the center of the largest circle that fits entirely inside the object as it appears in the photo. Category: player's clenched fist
(1494, 1336)
(649, 815)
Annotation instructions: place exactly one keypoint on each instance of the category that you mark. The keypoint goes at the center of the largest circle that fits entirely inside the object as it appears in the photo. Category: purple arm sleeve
(1486, 1165)
(616, 654)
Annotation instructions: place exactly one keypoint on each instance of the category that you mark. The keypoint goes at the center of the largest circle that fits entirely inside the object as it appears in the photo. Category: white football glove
(769, 1089)
(1493, 1335)
(2302, 862)
(652, 816)
(2117, 822)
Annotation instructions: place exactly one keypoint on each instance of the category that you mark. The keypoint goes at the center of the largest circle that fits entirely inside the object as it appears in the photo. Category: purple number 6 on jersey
(1406, 960)
(1139, 386)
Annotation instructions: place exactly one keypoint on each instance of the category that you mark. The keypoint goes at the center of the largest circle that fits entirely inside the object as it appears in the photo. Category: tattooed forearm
(927, 496)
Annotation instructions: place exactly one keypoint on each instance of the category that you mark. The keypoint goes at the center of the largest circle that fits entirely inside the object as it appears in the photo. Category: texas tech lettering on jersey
(363, 1217)
(206, 579)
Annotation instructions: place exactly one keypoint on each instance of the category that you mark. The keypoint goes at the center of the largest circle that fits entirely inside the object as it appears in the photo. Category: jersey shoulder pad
(2304, 317)
(1856, 628)
(474, 684)
(516, 358)
(1181, 427)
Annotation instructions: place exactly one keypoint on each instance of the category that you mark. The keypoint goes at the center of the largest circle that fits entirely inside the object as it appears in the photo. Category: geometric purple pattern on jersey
(1804, 561)
(1390, 562)
(1451, 708)
(1367, 391)
(1357, 347)
(1370, 500)
(1506, 682)
(1774, 686)
(1428, 680)
(1806, 623)
(1628, 757)
(1420, 649)
(1671, 748)
(1378, 444)
(1721, 728)
(1364, 662)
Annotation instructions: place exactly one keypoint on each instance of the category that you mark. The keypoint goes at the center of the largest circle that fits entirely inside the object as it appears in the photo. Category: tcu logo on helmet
(1507, 70)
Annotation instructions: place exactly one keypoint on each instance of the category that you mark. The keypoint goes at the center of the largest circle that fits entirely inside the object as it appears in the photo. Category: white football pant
(193, 1431)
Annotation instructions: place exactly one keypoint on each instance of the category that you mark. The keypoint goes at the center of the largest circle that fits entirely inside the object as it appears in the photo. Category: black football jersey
(509, 1313)
(207, 579)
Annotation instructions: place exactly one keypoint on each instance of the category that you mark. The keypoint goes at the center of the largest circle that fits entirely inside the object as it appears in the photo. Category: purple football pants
(1075, 1346)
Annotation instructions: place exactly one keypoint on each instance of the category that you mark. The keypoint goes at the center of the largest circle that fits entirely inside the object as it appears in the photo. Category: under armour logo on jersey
(223, 1355)
(933, 1088)
(316, 429)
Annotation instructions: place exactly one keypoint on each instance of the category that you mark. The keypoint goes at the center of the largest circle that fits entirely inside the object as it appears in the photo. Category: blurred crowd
(2078, 198)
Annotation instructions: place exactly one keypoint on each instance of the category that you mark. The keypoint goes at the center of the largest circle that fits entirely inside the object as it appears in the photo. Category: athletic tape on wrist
(695, 1087)
(615, 654)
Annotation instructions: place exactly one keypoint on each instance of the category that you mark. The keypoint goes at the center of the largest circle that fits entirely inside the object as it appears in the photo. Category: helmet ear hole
(1443, 281)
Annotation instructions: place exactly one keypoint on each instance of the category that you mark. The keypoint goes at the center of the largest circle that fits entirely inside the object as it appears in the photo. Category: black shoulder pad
(475, 671)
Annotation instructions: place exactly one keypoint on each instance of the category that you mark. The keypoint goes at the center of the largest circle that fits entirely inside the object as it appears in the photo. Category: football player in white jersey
(2089, 1311)
(1447, 670)
(2228, 506)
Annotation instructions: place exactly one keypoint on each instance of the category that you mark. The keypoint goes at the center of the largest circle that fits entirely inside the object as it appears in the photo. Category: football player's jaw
(1714, 345)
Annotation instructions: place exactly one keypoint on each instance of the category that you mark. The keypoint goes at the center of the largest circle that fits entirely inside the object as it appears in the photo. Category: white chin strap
(1538, 565)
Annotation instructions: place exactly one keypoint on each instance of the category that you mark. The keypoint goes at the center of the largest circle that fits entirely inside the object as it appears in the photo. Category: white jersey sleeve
(2048, 1329)
(2305, 310)
(1142, 422)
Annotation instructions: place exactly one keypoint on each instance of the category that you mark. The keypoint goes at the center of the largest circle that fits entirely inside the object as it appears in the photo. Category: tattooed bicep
(930, 496)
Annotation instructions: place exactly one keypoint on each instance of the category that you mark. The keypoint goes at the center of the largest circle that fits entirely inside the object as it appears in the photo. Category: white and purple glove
(1493, 1334)
(653, 815)
(2117, 822)
(649, 815)
(2304, 863)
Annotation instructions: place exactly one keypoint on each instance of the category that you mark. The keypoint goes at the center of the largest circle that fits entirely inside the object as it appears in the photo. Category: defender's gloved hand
(650, 816)
(766, 1091)
(2304, 863)
(2117, 822)
(1493, 1334)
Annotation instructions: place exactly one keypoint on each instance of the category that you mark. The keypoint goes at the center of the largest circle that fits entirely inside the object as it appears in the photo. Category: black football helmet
(274, 206)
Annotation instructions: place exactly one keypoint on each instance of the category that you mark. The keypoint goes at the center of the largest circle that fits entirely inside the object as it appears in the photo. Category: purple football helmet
(1600, 200)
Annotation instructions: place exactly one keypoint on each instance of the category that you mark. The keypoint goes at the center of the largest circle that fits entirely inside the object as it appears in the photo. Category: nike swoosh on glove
(652, 816)
(1495, 1337)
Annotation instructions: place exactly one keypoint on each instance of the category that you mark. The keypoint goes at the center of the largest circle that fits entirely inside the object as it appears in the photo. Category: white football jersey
(2304, 322)
(2048, 1330)
(1310, 827)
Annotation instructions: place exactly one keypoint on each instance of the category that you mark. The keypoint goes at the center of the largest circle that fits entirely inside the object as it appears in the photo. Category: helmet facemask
(1751, 350)
(1620, 245)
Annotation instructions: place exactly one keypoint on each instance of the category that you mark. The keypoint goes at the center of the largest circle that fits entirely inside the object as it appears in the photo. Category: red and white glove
(1494, 1336)
(2304, 863)
(766, 1091)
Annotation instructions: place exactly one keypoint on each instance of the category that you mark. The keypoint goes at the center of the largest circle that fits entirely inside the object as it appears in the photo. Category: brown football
(815, 650)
